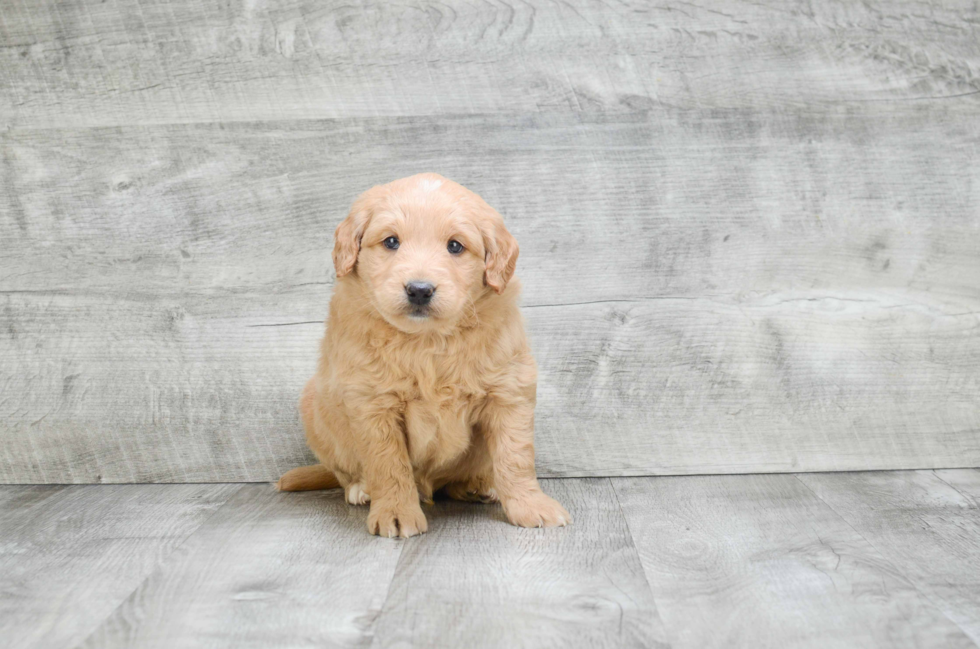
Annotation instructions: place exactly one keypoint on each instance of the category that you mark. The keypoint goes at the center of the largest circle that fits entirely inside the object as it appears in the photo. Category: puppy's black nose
(419, 293)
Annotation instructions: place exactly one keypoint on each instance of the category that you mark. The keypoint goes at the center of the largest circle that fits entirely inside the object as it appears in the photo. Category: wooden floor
(884, 559)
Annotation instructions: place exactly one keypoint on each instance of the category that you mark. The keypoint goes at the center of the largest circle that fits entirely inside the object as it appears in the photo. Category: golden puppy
(425, 378)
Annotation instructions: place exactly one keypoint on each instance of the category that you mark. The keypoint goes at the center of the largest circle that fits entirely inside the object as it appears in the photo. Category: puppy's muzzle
(419, 293)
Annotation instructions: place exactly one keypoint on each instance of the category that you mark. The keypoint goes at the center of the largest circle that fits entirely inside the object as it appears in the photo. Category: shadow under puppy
(425, 379)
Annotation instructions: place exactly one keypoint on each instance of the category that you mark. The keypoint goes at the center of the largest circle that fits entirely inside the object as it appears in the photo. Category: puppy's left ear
(502, 251)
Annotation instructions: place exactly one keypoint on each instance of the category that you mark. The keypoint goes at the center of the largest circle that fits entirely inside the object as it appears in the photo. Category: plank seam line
(716, 471)
(286, 324)
(654, 298)
(370, 632)
(925, 98)
(628, 117)
(636, 550)
(544, 475)
(889, 559)
(163, 560)
(966, 496)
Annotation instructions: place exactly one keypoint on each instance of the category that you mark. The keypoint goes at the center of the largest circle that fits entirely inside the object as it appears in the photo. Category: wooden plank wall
(750, 234)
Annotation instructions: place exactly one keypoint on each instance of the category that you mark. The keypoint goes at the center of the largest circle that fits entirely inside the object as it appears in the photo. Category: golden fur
(404, 404)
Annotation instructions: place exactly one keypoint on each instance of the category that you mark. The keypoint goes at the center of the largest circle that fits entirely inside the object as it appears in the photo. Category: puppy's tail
(307, 478)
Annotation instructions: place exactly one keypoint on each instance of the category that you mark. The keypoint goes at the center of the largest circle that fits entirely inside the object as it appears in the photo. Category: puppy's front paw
(391, 519)
(535, 509)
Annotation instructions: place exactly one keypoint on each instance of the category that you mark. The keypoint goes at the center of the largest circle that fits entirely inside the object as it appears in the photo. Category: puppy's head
(425, 249)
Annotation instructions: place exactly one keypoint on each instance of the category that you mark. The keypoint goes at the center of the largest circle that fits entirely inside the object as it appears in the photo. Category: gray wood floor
(887, 559)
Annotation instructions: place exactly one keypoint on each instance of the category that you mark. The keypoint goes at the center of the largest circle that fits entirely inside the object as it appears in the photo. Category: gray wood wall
(750, 234)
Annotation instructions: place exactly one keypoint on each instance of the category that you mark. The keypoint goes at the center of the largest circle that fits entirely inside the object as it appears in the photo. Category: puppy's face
(425, 249)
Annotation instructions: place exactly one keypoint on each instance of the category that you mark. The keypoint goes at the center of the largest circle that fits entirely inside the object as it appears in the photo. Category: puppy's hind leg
(470, 492)
(356, 495)
(474, 490)
(317, 476)
(308, 478)
(472, 479)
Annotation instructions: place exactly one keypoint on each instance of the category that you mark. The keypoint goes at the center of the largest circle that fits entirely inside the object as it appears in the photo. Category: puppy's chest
(439, 416)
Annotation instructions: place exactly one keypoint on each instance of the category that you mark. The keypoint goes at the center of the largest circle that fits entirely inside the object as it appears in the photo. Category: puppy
(425, 379)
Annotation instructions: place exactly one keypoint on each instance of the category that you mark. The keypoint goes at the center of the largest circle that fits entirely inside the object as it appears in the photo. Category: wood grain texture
(124, 62)
(759, 561)
(475, 581)
(706, 291)
(927, 522)
(754, 561)
(70, 555)
(269, 570)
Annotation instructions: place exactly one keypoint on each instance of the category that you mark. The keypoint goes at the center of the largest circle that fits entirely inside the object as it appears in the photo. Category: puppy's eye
(455, 247)
(391, 243)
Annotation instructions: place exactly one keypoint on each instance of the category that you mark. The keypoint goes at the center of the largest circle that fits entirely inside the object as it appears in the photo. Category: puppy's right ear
(347, 238)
